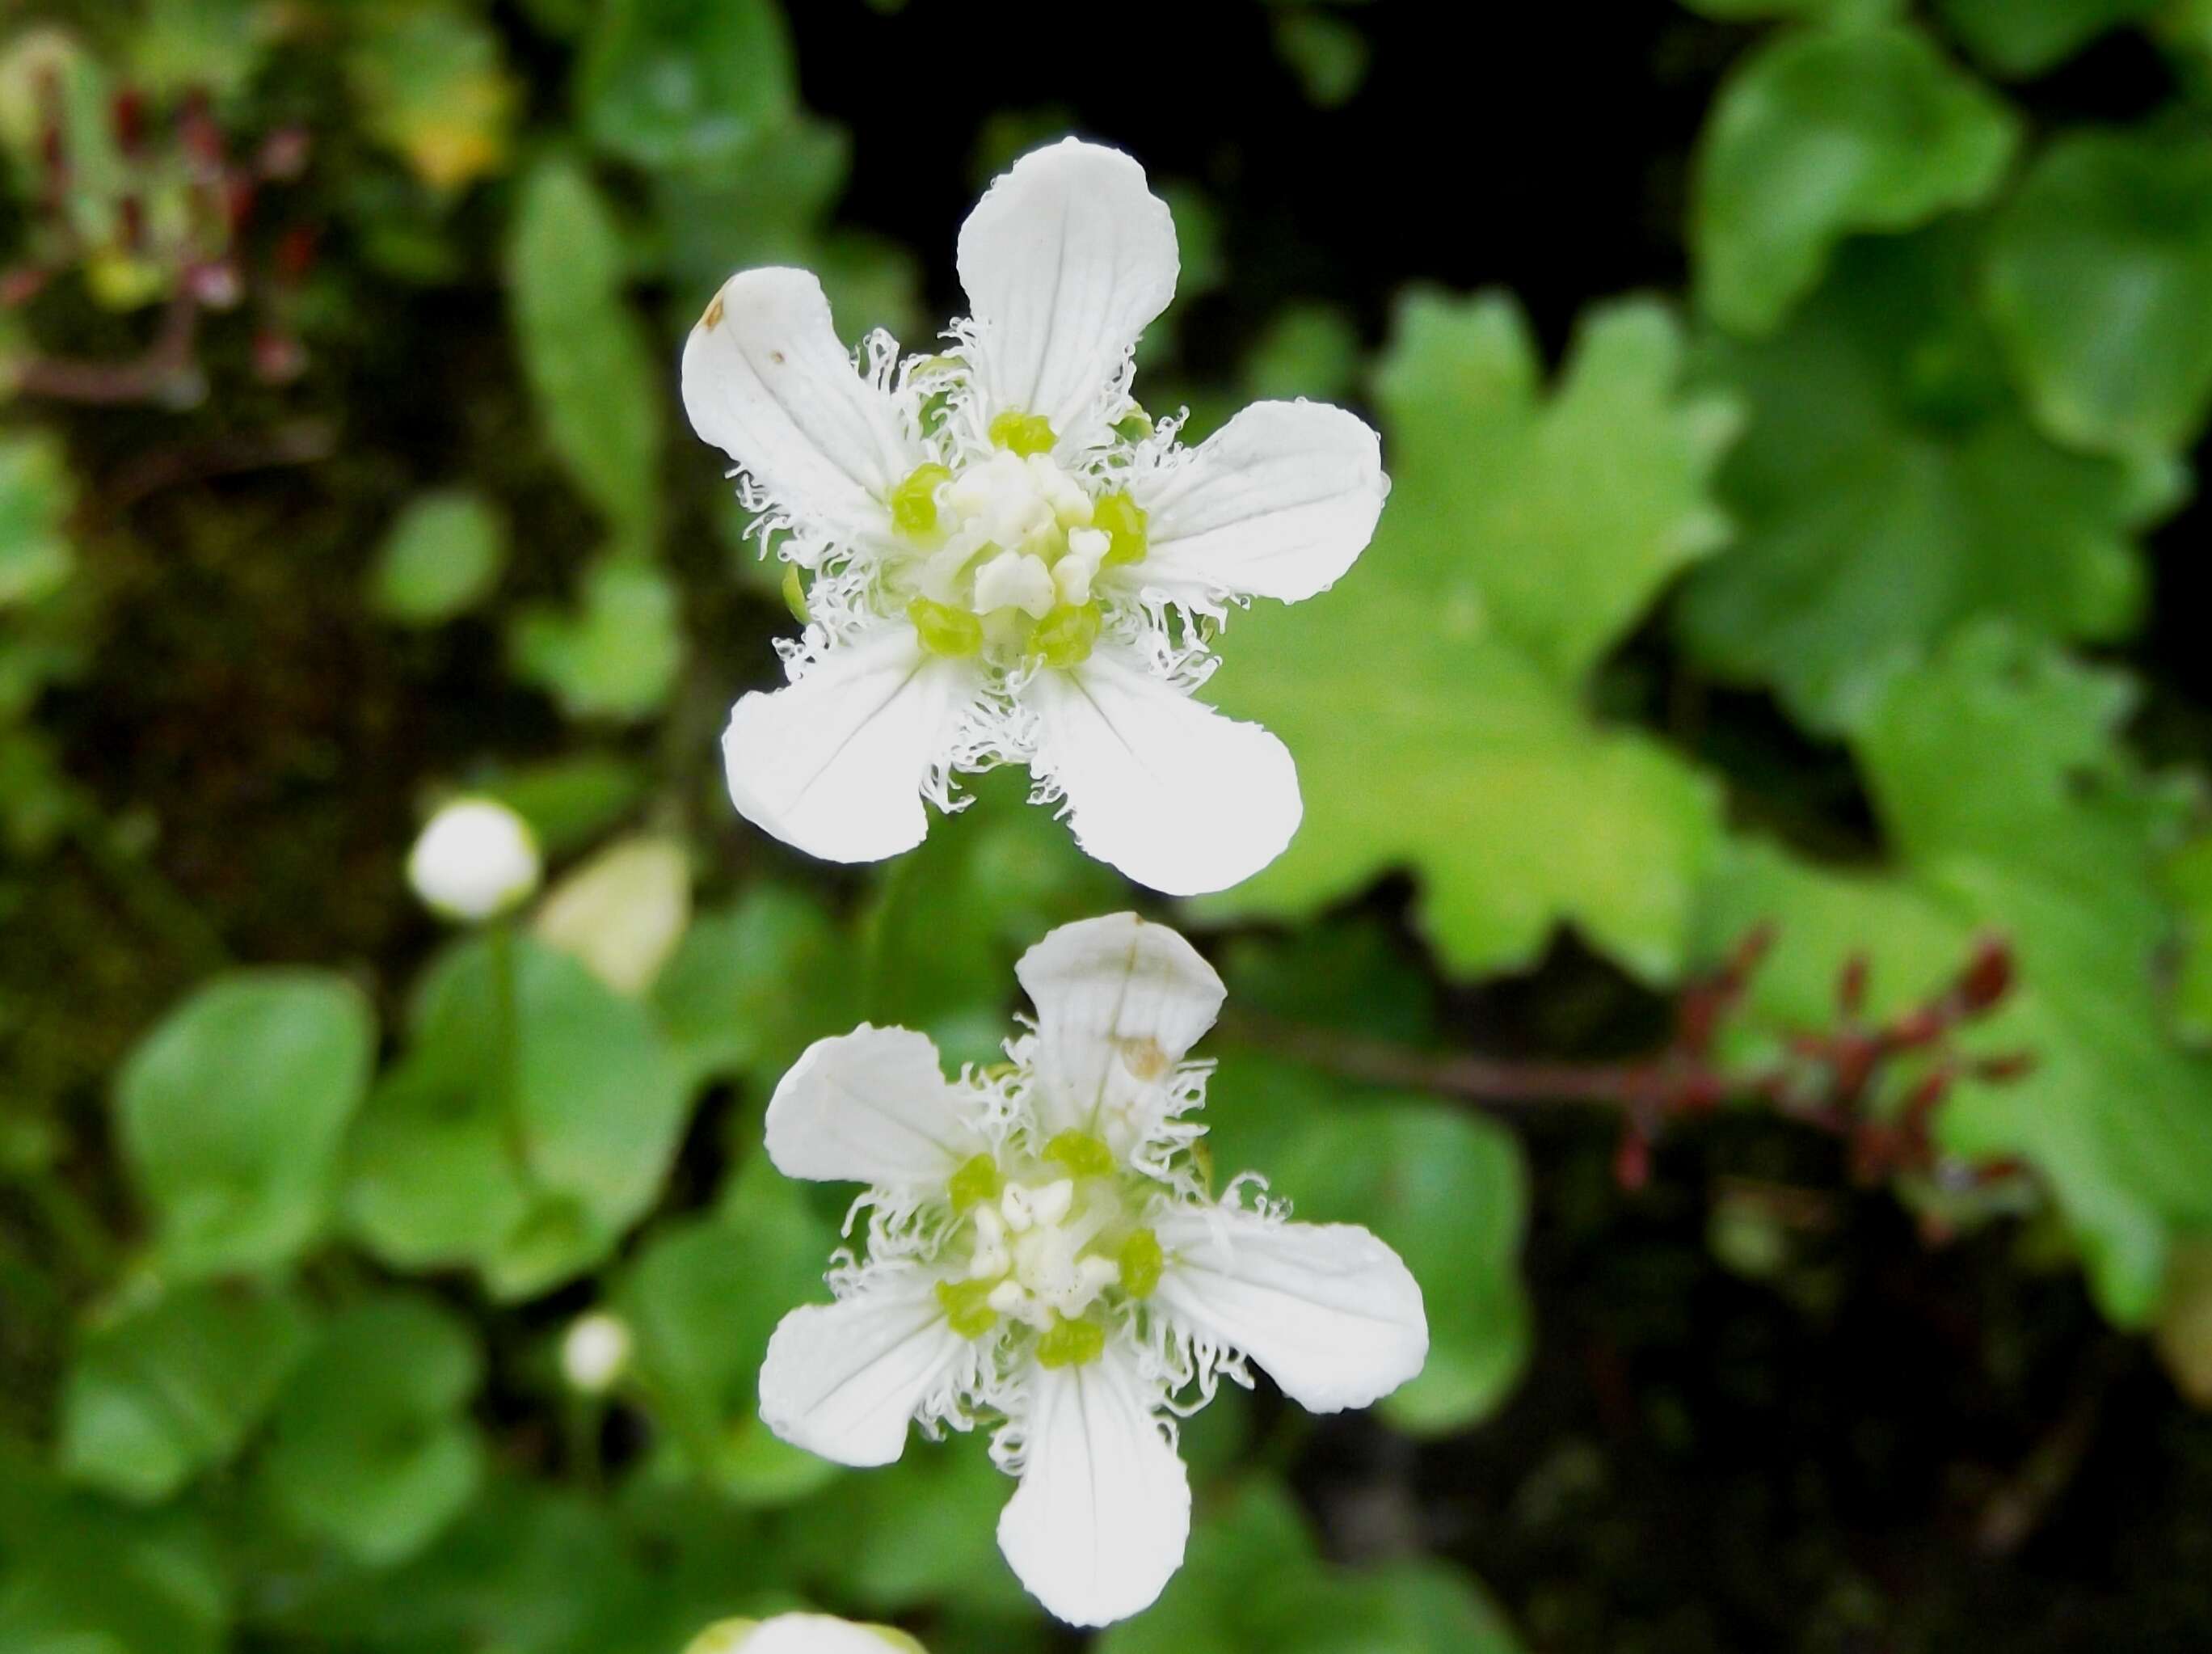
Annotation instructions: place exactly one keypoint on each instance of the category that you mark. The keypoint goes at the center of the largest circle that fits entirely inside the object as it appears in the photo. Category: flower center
(1043, 1250)
(1007, 550)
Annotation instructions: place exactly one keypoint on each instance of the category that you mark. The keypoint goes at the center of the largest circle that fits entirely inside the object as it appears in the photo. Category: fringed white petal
(870, 1107)
(1278, 503)
(1066, 259)
(767, 381)
(1331, 1313)
(1119, 1002)
(843, 1379)
(837, 763)
(1161, 786)
(1097, 1526)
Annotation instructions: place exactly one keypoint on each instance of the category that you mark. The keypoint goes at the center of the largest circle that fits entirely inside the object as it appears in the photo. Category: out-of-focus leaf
(1252, 1581)
(751, 986)
(889, 1544)
(1328, 54)
(669, 83)
(551, 1571)
(36, 558)
(940, 938)
(702, 1300)
(80, 1575)
(598, 384)
(2101, 290)
(233, 1111)
(616, 657)
(440, 558)
(213, 46)
(2183, 1332)
(2021, 37)
(595, 1112)
(1524, 535)
(569, 802)
(1890, 488)
(371, 1448)
(2010, 808)
(1820, 135)
(1738, 11)
(1447, 1190)
(37, 801)
(762, 206)
(2189, 885)
(1307, 349)
(173, 1386)
(433, 87)
(623, 913)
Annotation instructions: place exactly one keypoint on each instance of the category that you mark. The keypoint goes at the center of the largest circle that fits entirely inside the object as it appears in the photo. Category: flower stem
(507, 1044)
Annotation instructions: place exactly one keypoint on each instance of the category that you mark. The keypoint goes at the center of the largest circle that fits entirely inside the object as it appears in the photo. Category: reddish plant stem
(156, 375)
(1832, 1080)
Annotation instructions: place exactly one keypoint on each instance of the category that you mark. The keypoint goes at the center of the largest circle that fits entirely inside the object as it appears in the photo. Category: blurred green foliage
(285, 1267)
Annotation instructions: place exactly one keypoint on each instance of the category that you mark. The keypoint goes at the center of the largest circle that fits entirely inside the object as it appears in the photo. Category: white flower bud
(595, 1351)
(475, 859)
(801, 1633)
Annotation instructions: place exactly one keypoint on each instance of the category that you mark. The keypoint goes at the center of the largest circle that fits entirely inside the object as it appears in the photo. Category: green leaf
(210, 46)
(370, 1449)
(1739, 11)
(551, 1571)
(1252, 1580)
(233, 1111)
(81, 1575)
(36, 558)
(2010, 809)
(1524, 536)
(2101, 290)
(669, 83)
(1890, 488)
(1306, 349)
(598, 382)
(528, 1187)
(939, 937)
(890, 1544)
(440, 558)
(2021, 38)
(432, 86)
(1328, 55)
(763, 206)
(751, 986)
(618, 656)
(173, 1386)
(569, 802)
(702, 1300)
(1820, 135)
(1447, 1189)
(2189, 886)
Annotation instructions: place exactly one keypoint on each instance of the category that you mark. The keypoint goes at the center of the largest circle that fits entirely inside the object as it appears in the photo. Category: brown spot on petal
(1144, 1058)
(713, 312)
(776, 357)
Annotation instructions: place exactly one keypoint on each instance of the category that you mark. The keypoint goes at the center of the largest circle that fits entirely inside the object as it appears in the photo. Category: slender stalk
(507, 1038)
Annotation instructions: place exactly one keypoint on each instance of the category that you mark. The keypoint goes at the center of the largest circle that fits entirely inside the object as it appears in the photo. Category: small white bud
(475, 859)
(595, 1351)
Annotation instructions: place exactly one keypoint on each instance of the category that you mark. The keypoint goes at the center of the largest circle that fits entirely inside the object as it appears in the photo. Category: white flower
(800, 1633)
(475, 859)
(1009, 562)
(595, 1351)
(1042, 1255)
